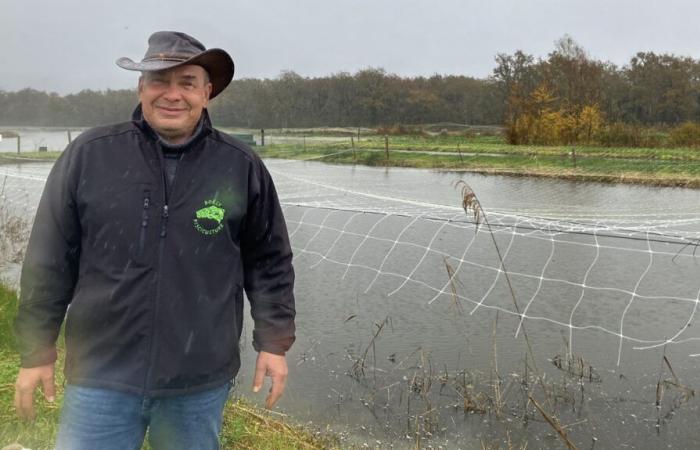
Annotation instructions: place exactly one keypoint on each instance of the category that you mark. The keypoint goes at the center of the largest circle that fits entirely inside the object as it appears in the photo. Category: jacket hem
(129, 389)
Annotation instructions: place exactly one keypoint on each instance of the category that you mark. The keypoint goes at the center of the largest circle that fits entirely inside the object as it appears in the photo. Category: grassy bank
(489, 154)
(28, 156)
(490, 144)
(245, 426)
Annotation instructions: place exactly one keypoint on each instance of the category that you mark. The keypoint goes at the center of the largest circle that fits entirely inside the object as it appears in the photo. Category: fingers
(278, 383)
(27, 381)
(259, 377)
(276, 367)
(24, 401)
(47, 381)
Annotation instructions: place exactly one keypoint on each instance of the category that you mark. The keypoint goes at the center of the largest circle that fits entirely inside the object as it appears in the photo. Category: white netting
(566, 260)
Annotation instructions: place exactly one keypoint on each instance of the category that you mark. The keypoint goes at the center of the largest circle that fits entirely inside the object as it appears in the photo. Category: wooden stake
(352, 142)
(386, 148)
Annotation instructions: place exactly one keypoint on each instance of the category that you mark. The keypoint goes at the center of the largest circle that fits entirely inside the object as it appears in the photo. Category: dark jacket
(155, 280)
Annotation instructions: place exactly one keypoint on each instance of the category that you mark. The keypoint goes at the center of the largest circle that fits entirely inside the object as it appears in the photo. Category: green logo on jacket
(209, 220)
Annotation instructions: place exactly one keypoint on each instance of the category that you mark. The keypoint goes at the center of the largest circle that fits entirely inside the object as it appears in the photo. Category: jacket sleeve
(50, 268)
(267, 265)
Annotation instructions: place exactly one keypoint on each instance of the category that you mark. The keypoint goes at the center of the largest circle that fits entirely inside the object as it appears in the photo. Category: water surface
(601, 272)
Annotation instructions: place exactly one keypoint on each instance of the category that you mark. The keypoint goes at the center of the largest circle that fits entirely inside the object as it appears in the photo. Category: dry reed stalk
(659, 384)
(497, 381)
(686, 392)
(689, 244)
(470, 403)
(453, 287)
(359, 364)
(576, 367)
(418, 435)
(471, 205)
(554, 423)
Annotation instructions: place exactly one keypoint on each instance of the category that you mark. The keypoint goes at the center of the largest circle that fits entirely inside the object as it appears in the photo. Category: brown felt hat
(167, 49)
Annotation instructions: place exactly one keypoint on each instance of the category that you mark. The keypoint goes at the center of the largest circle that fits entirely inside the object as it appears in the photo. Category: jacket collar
(203, 128)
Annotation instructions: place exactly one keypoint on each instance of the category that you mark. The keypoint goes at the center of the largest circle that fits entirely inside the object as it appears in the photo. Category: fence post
(352, 142)
(18, 143)
(304, 142)
(386, 148)
(460, 153)
(358, 134)
(573, 155)
(262, 137)
(69, 137)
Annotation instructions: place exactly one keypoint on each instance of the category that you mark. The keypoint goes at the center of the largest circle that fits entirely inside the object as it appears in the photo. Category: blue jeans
(105, 419)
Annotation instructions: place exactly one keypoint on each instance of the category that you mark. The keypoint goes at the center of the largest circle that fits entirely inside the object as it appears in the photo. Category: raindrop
(188, 345)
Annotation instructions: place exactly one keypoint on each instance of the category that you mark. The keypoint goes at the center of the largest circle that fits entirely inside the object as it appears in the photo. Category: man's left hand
(274, 366)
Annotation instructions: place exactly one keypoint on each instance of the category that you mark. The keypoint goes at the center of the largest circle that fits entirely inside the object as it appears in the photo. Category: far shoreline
(438, 164)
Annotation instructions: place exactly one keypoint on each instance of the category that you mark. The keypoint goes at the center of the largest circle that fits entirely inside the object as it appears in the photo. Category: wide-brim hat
(168, 49)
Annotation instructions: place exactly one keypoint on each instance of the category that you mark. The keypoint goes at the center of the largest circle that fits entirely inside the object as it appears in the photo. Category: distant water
(32, 138)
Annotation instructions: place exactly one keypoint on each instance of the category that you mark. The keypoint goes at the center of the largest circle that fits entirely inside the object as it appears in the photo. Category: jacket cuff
(275, 347)
(39, 358)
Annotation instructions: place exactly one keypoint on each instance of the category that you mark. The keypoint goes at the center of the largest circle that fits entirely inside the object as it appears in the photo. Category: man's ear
(207, 91)
(140, 85)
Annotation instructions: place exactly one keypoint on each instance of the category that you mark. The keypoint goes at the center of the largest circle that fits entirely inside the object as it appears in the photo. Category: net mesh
(541, 262)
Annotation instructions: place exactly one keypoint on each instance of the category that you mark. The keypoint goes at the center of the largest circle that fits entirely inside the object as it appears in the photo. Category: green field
(245, 426)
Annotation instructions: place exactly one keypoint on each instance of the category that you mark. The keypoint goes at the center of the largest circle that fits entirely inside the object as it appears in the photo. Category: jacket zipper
(144, 221)
(164, 214)
(163, 232)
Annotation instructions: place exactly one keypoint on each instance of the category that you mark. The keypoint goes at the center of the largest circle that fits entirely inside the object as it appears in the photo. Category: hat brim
(215, 61)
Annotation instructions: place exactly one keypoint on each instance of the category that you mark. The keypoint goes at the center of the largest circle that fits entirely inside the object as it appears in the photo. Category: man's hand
(27, 382)
(274, 366)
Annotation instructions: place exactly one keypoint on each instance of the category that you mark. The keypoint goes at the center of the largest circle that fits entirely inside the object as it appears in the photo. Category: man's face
(172, 100)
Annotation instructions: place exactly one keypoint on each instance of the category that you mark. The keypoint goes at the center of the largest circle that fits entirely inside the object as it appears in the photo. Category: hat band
(164, 57)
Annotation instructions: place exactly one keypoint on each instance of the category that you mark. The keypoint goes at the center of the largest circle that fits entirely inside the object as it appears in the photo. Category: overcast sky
(69, 45)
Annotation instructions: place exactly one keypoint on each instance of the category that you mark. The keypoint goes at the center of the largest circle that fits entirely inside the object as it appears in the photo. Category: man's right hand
(27, 382)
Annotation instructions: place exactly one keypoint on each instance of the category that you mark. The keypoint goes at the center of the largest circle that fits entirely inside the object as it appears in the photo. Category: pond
(417, 324)
(32, 138)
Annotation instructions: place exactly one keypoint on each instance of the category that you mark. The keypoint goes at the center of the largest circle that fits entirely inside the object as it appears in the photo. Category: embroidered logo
(209, 220)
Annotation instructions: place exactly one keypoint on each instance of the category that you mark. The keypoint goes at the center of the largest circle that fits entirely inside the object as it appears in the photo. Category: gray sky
(69, 45)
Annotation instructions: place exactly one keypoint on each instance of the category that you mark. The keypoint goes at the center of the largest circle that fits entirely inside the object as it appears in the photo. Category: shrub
(685, 135)
(402, 130)
(620, 134)
(590, 119)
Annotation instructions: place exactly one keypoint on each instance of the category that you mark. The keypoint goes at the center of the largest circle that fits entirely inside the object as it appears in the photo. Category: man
(150, 230)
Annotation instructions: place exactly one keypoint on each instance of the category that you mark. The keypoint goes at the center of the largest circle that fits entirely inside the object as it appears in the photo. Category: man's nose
(172, 92)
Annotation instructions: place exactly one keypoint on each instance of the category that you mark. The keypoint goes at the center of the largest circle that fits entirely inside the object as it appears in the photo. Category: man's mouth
(169, 111)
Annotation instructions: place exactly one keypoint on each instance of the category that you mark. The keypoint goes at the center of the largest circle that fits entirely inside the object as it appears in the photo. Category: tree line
(570, 97)
(651, 89)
